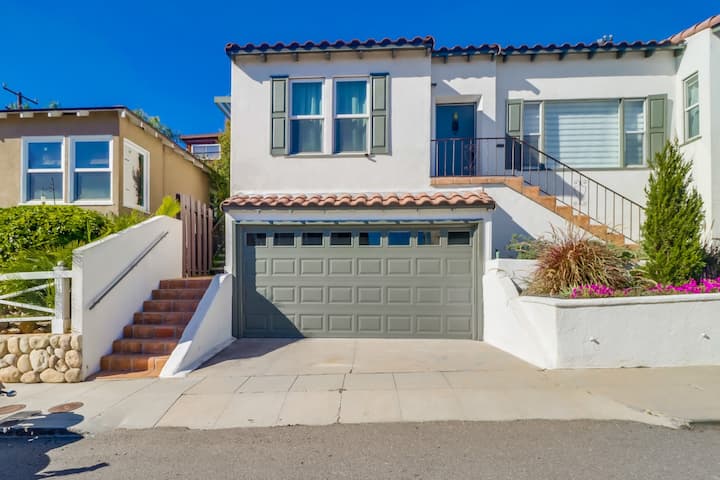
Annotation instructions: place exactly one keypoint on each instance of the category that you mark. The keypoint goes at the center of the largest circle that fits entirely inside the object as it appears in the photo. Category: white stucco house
(378, 176)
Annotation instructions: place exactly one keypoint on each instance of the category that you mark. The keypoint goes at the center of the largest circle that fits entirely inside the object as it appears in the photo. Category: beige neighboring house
(103, 158)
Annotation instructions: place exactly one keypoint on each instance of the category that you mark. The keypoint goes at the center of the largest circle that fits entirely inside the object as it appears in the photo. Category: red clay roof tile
(698, 27)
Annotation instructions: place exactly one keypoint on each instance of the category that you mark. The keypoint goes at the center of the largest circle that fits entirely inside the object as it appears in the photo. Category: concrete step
(153, 331)
(170, 305)
(162, 318)
(178, 294)
(152, 346)
(132, 362)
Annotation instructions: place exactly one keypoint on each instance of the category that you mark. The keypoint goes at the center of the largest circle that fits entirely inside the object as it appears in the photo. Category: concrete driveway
(326, 381)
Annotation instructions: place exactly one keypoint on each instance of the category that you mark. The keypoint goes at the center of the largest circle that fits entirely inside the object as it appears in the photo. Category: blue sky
(168, 59)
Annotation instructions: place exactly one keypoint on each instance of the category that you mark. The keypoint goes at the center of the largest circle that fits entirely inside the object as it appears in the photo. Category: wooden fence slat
(197, 227)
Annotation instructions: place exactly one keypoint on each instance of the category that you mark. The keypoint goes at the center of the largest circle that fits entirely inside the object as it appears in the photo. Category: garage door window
(255, 239)
(428, 238)
(284, 240)
(340, 239)
(458, 238)
(369, 239)
(312, 239)
(397, 239)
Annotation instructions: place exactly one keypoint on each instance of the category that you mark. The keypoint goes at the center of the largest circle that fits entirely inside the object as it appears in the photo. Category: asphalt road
(510, 450)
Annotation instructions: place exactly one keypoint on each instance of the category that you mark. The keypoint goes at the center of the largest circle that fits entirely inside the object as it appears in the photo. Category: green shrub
(526, 248)
(46, 227)
(571, 260)
(169, 207)
(674, 220)
(117, 223)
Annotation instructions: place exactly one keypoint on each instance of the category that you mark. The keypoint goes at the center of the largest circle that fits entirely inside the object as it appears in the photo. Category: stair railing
(510, 156)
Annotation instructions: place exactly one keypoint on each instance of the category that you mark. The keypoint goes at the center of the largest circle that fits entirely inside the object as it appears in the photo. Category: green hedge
(45, 227)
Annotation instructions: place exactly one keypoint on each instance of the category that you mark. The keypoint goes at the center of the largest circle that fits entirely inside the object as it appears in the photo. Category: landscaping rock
(24, 344)
(39, 360)
(52, 376)
(54, 341)
(10, 375)
(3, 363)
(76, 342)
(12, 345)
(52, 361)
(50, 350)
(23, 363)
(64, 342)
(3, 347)
(73, 359)
(38, 343)
(61, 366)
(10, 359)
(30, 377)
(73, 375)
(59, 352)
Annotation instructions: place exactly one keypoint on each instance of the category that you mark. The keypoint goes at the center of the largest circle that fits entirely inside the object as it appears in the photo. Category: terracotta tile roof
(497, 49)
(698, 27)
(455, 198)
(325, 45)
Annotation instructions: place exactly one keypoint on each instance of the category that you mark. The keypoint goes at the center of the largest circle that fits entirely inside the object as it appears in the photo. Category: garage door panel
(369, 266)
(370, 323)
(311, 294)
(283, 266)
(261, 266)
(283, 294)
(429, 266)
(311, 322)
(399, 266)
(340, 294)
(340, 266)
(367, 295)
(312, 266)
(402, 295)
(459, 295)
(428, 295)
(399, 324)
(459, 323)
(340, 323)
(429, 324)
(457, 267)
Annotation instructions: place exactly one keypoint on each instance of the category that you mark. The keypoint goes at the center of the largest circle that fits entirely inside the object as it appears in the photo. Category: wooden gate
(197, 225)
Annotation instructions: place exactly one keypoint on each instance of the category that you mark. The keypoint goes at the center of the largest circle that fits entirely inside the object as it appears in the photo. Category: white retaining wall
(97, 264)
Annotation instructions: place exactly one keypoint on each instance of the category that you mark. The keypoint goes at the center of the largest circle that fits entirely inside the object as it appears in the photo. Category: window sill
(50, 203)
(97, 203)
(358, 155)
(691, 140)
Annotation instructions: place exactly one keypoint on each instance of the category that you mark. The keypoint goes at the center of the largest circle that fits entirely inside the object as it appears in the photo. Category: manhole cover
(65, 407)
(11, 409)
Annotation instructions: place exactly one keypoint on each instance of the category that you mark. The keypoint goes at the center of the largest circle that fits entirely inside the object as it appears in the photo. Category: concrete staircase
(155, 331)
(550, 202)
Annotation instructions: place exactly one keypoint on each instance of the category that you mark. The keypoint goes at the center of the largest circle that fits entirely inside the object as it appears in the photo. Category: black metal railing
(509, 156)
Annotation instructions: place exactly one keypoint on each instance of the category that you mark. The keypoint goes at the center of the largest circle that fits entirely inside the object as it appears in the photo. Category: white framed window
(633, 132)
(351, 115)
(306, 116)
(206, 151)
(136, 176)
(91, 160)
(692, 107)
(43, 170)
(532, 134)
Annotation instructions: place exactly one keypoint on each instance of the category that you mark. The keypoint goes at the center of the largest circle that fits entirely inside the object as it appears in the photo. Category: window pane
(284, 240)
(371, 239)
(693, 122)
(312, 238)
(692, 93)
(44, 155)
(306, 98)
(92, 186)
(531, 118)
(340, 238)
(48, 185)
(92, 154)
(350, 134)
(458, 238)
(398, 238)
(634, 149)
(255, 239)
(306, 136)
(634, 117)
(428, 238)
(351, 98)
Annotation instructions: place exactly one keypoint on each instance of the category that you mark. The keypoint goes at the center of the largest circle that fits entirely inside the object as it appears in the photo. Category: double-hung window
(306, 116)
(634, 132)
(531, 134)
(43, 169)
(692, 107)
(91, 161)
(351, 115)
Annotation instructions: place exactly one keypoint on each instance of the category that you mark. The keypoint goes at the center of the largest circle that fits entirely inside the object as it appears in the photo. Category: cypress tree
(674, 219)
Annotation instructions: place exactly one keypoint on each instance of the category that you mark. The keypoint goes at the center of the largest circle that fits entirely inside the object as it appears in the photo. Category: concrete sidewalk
(321, 382)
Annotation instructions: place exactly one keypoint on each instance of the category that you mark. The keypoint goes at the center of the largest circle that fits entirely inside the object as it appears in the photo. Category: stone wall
(47, 358)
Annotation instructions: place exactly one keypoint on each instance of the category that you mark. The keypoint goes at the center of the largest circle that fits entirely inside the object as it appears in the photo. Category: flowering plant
(689, 287)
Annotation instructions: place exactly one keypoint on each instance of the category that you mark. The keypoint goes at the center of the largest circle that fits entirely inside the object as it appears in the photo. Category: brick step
(178, 294)
(153, 331)
(132, 362)
(200, 282)
(162, 318)
(170, 305)
(152, 346)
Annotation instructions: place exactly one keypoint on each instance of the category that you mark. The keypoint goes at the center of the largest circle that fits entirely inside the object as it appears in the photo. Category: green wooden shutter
(656, 123)
(279, 117)
(514, 118)
(379, 114)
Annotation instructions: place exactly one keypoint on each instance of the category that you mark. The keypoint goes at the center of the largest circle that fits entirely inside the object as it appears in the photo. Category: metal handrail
(515, 157)
(118, 278)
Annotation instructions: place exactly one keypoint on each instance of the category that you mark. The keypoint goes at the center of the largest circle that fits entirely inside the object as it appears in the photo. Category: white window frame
(146, 179)
(72, 140)
(25, 170)
(192, 148)
(624, 132)
(694, 78)
(321, 116)
(366, 115)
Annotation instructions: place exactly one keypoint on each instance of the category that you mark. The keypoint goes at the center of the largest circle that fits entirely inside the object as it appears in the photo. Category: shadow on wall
(504, 227)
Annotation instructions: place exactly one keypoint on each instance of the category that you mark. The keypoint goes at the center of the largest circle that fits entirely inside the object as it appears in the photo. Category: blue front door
(453, 149)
